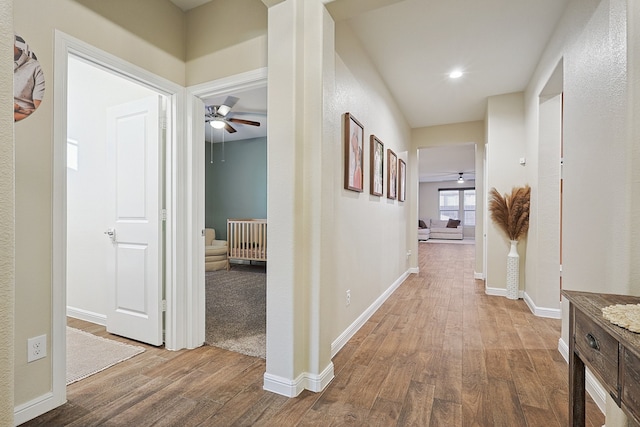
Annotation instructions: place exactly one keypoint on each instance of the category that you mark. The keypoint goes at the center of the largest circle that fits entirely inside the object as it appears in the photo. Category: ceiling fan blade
(229, 128)
(244, 122)
(227, 105)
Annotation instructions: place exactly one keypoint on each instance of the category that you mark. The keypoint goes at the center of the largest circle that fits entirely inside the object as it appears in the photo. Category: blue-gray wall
(237, 186)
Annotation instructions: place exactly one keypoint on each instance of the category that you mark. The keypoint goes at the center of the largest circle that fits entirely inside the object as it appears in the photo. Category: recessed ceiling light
(455, 74)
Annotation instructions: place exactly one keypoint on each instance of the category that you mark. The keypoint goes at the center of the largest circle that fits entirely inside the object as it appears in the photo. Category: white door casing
(134, 265)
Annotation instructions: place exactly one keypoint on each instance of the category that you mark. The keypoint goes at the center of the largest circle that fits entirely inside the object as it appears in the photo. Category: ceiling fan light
(217, 124)
(223, 110)
(460, 179)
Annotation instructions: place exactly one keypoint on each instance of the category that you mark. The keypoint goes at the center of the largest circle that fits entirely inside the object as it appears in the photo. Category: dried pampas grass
(511, 212)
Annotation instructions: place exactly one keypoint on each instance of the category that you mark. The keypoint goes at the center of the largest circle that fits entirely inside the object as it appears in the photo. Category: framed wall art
(392, 175)
(402, 180)
(376, 168)
(353, 153)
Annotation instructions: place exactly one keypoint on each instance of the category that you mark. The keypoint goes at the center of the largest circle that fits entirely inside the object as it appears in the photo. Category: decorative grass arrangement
(511, 212)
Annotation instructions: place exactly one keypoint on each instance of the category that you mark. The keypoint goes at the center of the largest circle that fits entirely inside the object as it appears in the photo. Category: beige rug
(88, 354)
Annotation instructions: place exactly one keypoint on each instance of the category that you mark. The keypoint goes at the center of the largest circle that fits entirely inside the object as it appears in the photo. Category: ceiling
(414, 44)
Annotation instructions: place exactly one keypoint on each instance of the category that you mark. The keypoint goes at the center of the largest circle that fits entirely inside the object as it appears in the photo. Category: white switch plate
(36, 348)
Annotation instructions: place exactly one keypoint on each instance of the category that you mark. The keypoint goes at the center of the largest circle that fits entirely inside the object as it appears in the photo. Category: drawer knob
(592, 341)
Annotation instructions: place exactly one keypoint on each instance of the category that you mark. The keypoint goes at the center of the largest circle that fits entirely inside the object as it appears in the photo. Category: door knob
(111, 232)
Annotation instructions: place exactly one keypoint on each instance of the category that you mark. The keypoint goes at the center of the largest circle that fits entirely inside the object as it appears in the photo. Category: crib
(247, 239)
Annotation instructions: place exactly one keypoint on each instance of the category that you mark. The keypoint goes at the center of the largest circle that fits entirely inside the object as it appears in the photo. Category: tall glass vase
(513, 271)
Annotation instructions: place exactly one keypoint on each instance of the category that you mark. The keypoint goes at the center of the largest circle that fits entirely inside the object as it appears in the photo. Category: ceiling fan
(218, 115)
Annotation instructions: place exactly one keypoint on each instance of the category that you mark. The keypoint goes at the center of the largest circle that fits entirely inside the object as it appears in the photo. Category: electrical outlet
(36, 348)
(348, 297)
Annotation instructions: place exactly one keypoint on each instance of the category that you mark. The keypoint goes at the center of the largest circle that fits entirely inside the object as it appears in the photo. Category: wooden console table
(612, 354)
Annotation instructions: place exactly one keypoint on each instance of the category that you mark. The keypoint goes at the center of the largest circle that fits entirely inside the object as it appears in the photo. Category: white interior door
(134, 266)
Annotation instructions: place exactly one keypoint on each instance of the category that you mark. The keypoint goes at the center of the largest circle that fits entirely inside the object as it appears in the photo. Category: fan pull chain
(211, 143)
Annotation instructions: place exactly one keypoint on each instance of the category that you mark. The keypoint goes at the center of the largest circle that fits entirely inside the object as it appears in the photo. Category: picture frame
(376, 166)
(402, 180)
(353, 154)
(392, 175)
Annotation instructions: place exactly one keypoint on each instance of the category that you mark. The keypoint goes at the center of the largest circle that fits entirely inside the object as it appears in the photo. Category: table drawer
(599, 350)
(631, 383)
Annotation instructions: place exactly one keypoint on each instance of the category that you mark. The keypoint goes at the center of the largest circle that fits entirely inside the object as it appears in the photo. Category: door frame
(175, 183)
(196, 198)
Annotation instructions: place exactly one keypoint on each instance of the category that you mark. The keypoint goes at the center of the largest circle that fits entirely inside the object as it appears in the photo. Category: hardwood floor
(439, 352)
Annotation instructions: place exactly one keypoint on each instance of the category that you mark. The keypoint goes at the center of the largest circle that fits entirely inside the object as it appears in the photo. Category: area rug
(88, 354)
(236, 309)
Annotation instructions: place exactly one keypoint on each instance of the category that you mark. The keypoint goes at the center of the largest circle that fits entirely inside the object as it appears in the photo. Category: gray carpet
(236, 309)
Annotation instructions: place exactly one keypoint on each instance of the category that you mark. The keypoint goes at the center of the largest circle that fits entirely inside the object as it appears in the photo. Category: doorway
(171, 266)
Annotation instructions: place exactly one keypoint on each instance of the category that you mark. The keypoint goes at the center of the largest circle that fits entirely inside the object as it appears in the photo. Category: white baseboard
(362, 319)
(593, 387)
(552, 313)
(86, 315)
(288, 388)
(478, 276)
(34, 408)
(414, 270)
(500, 292)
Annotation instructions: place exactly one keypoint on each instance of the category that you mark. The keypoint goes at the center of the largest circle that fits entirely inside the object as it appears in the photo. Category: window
(458, 204)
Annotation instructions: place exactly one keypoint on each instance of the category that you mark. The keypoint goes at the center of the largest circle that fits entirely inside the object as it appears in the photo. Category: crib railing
(247, 239)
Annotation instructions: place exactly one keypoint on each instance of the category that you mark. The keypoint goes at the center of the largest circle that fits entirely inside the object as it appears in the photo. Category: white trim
(478, 276)
(283, 386)
(305, 380)
(551, 313)
(414, 270)
(86, 315)
(362, 319)
(194, 175)
(34, 408)
(317, 383)
(592, 385)
(175, 284)
(500, 292)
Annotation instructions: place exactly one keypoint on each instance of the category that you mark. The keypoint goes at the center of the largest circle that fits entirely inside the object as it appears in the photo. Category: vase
(513, 271)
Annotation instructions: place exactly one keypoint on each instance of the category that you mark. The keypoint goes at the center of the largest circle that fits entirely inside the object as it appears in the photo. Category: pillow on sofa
(453, 223)
(421, 224)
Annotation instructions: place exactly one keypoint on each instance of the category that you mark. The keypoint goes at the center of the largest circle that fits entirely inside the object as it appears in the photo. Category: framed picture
(353, 153)
(376, 172)
(402, 180)
(392, 175)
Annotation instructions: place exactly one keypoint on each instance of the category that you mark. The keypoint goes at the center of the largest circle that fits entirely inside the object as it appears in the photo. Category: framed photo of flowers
(402, 180)
(392, 175)
(353, 153)
(376, 168)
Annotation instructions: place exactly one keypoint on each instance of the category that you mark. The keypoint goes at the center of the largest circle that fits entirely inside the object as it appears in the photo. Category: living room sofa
(441, 229)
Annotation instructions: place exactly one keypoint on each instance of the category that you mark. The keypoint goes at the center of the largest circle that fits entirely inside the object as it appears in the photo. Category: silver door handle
(111, 232)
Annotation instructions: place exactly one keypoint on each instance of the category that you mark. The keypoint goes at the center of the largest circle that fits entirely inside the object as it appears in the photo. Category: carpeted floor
(236, 309)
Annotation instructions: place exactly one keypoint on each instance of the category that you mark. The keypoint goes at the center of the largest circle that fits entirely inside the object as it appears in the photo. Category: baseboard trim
(500, 292)
(317, 383)
(362, 319)
(478, 276)
(414, 270)
(89, 316)
(551, 313)
(593, 387)
(34, 408)
(305, 380)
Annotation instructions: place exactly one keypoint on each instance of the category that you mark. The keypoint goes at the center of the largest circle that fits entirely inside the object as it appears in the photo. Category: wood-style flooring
(439, 352)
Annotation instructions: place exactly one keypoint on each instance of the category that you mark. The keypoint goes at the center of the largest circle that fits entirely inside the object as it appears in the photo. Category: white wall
(505, 147)
(91, 91)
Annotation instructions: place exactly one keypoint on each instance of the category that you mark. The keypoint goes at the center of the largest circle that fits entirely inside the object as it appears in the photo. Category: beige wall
(36, 21)
(224, 38)
(7, 270)
(600, 147)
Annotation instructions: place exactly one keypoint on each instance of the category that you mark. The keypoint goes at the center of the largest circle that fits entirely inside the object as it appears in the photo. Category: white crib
(247, 239)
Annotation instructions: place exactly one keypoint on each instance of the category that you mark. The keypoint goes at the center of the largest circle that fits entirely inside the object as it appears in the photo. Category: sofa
(423, 231)
(441, 229)
(215, 252)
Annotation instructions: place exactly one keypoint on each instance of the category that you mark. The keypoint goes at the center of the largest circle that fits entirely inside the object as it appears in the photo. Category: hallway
(439, 352)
